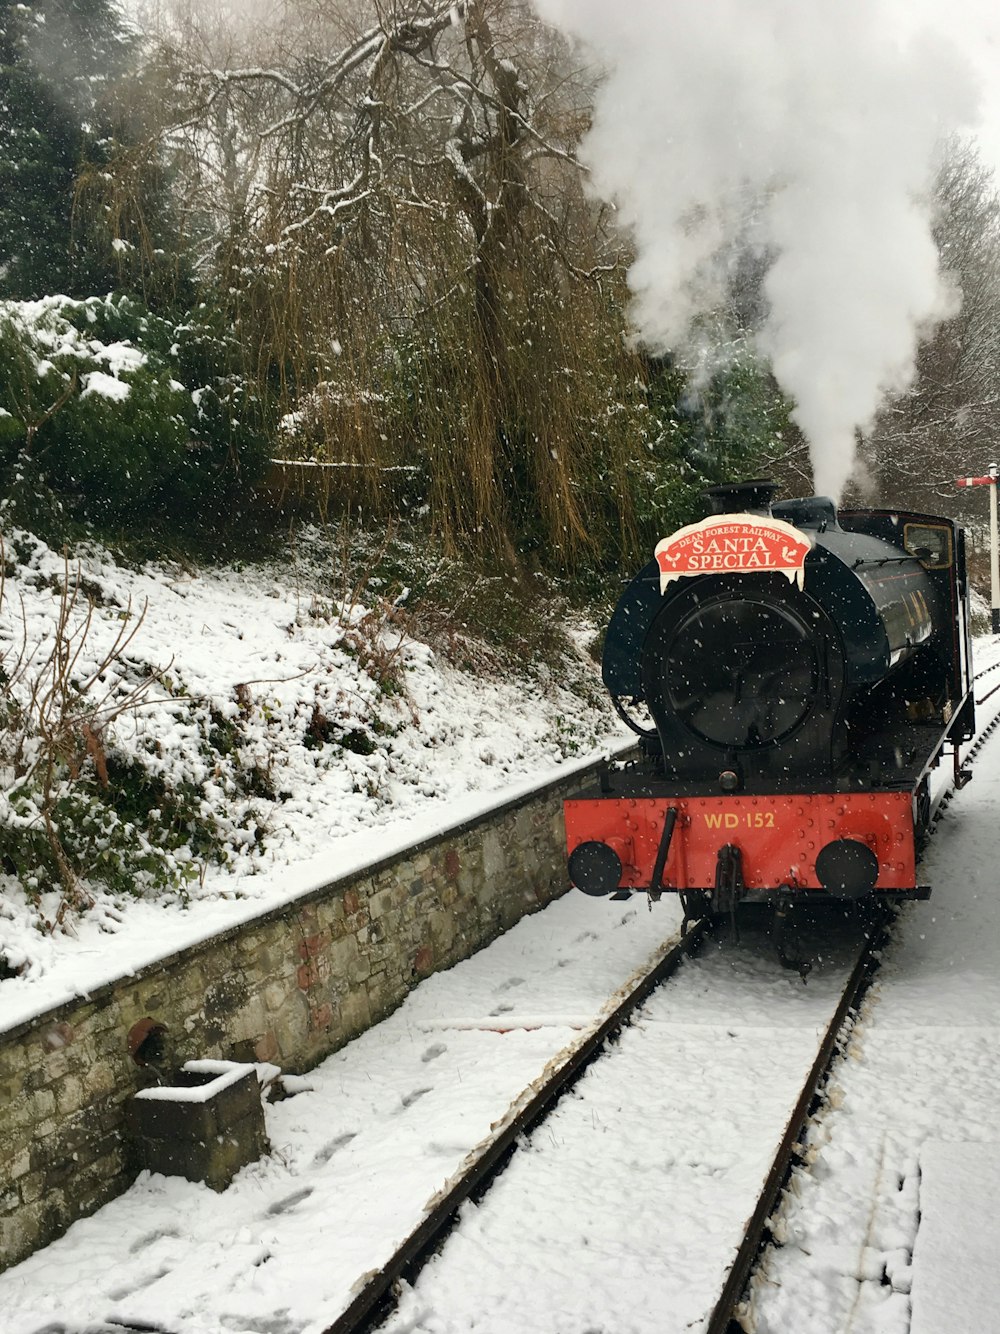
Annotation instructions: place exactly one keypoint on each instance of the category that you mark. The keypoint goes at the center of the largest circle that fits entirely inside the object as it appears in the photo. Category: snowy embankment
(267, 721)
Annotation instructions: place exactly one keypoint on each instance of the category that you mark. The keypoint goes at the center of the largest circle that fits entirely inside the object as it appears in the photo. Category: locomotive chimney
(751, 497)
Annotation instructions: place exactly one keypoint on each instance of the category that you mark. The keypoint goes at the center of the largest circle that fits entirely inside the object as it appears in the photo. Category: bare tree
(390, 192)
(947, 424)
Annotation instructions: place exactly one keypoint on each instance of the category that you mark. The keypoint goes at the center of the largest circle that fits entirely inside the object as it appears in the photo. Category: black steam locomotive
(793, 675)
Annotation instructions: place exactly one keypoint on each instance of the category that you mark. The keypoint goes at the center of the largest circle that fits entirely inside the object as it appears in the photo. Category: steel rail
(424, 1239)
(862, 974)
(978, 676)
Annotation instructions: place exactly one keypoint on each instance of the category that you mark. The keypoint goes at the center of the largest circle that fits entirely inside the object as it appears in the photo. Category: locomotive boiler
(793, 674)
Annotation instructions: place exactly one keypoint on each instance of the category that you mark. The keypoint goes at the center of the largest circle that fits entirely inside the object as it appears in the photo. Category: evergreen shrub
(124, 416)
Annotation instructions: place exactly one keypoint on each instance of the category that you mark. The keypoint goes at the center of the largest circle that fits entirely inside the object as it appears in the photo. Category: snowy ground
(306, 729)
(356, 1156)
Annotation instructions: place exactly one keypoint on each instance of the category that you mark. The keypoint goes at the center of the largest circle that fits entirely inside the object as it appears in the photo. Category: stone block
(17, 1122)
(353, 1014)
(330, 912)
(290, 1025)
(199, 1103)
(380, 903)
(32, 1187)
(444, 926)
(266, 1048)
(44, 1104)
(359, 970)
(205, 1126)
(100, 1081)
(321, 1017)
(69, 1095)
(18, 1166)
(251, 1019)
(215, 1162)
(249, 943)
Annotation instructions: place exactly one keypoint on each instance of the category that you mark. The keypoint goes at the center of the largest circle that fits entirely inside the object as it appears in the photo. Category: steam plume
(817, 122)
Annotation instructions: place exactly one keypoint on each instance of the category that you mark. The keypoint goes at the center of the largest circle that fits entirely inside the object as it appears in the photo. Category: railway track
(374, 1293)
(705, 1149)
(374, 1299)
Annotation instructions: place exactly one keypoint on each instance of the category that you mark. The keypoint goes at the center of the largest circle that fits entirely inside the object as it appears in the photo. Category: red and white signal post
(990, 480)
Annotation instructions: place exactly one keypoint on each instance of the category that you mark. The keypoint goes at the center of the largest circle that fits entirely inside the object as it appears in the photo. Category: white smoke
(819, 122)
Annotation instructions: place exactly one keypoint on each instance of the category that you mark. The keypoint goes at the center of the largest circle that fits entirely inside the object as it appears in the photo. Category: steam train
(794, 674)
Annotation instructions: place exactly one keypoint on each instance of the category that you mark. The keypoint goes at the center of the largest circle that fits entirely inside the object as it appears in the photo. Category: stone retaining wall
(289, 987)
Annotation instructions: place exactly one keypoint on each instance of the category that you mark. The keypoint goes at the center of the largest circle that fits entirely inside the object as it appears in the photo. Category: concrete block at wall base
(214, 1161)
(205, 1126)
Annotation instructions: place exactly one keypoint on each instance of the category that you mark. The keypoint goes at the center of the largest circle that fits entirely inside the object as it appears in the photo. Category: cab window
(928, 543)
